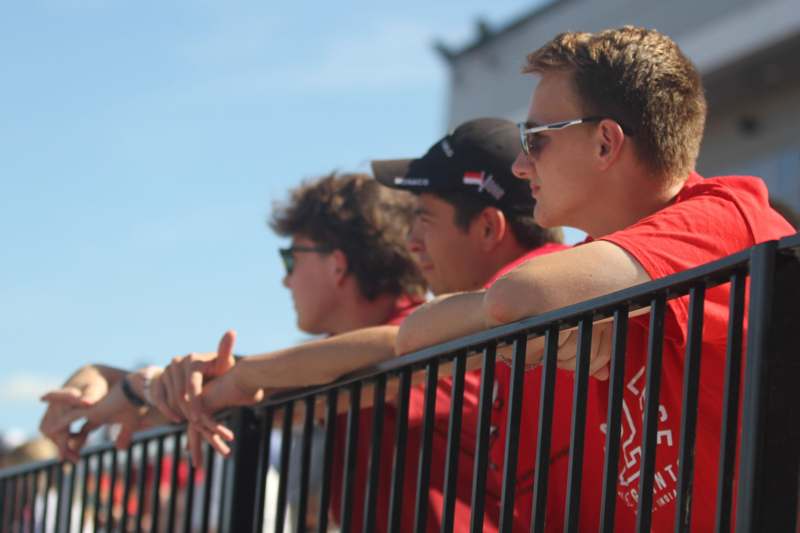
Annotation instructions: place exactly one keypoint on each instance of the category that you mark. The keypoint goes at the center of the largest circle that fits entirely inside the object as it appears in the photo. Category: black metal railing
(151, 486)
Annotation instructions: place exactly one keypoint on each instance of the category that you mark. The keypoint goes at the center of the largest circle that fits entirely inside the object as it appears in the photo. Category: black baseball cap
(475, 158)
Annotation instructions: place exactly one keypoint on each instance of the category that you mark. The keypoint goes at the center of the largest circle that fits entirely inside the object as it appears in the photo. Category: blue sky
(143, 143)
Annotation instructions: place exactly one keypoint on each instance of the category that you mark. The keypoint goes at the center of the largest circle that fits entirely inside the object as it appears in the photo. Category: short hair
(640, 78)
(528, 233)
(365, 220)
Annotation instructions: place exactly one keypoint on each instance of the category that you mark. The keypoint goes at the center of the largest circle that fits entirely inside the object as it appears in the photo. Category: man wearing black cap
(473, 223)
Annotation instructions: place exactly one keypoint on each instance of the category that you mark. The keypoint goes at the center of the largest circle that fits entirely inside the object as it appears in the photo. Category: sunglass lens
(288, 260)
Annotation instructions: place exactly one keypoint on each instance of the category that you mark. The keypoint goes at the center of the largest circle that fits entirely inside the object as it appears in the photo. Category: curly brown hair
(365, 220)
(640, 78)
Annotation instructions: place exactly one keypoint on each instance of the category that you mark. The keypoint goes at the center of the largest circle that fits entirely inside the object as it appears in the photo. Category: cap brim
(386, 170)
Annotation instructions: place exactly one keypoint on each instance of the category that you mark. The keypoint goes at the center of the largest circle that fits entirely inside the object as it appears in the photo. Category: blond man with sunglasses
(609, 146)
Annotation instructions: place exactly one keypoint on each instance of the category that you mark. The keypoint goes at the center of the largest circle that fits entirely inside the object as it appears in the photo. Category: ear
(490, 227)
(338, 266)
(610, 139)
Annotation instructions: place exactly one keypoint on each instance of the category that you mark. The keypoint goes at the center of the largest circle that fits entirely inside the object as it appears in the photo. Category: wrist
(141, 380)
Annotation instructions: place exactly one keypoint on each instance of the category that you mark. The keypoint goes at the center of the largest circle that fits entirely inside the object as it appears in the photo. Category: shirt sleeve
(689, 233)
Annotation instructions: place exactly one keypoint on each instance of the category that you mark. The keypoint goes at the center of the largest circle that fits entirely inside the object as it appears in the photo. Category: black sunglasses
(287, 254)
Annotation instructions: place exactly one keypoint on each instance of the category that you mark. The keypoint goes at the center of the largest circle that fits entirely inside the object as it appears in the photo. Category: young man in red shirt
(609, 146)
(347, 269)
(473, 223)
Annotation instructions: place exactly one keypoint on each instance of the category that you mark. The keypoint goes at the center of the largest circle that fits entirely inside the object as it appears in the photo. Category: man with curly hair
(347, 269)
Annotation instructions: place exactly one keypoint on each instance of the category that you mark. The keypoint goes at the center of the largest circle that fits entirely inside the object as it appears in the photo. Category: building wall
(745, 49)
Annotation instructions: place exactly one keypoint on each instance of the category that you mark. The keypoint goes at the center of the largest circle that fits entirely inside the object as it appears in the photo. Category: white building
(747, 51)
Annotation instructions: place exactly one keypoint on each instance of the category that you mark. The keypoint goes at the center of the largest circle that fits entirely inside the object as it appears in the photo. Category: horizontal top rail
(637, 297)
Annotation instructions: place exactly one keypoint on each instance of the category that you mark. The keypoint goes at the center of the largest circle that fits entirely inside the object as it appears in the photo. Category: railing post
(239, 500)
(768, 465)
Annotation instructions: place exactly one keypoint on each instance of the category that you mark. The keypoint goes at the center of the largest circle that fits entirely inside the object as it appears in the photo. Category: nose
(285, 280)
(413, 239)
(522, 166)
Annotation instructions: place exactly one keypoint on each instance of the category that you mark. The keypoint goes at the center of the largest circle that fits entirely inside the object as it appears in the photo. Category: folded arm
(543, 284)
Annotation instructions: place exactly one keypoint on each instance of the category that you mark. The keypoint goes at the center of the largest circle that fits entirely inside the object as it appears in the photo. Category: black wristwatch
(130, 394)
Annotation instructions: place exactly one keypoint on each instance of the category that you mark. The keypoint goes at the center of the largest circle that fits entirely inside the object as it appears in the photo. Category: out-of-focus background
(142, 145)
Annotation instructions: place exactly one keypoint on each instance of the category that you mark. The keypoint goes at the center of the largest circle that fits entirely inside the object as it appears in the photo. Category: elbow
(502, 303)
(403, 343)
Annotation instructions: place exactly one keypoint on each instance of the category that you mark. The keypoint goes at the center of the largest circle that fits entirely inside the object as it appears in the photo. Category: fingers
(158, 398)
(194, 443)
(67, 396)
(58, 421)
(224, 360)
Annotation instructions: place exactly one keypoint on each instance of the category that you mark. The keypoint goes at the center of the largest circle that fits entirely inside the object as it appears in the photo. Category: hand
(114, 408)
(175, 392)
(67, 404)
(201, 422)
(599, 353)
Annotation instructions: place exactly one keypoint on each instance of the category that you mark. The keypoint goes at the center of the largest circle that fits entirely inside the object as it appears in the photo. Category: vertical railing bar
(126, 491)
(370, 503)
(23, 501)
(305, 463)
(155, 508)
(351, 450)
(208, 485)
(34, 490)
(84, 493)
(13, 504)
(98, 477)
(140, 485)
(240, 474)
(188, 504)
(8, 518)
(173, 481)
(453, 442)
(399, 464)
(283, 481)
(614, 421)
(35, 481)
(767, 488)
(48, 480)
(113, 481)
(223, 507)
(3, 483)
(327, 459)
(59, 507)
(426, 445)
(73, 471)
(482, 438)
(264, 440)
(30, 490)
(578, 431)
(546, 406)
(512, 434)
(730, 405)
(651, 402)
(6, 504)
(691, 387)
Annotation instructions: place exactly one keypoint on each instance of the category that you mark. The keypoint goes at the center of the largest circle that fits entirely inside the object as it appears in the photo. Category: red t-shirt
(708, 220)
(471, 398)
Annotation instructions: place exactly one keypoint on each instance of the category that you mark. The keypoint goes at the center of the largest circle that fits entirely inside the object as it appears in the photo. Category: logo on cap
(485, 183)
(446, 148)
(474, 178)
(411, 182)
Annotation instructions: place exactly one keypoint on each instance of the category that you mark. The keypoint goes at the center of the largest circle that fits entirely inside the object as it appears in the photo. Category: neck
(357, 312)
(508, 251)
(638, 196)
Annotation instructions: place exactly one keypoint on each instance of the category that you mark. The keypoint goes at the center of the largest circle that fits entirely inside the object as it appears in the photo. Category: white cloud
(26, 387)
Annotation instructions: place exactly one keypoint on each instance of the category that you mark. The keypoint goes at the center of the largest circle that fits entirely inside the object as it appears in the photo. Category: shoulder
(708, 219)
